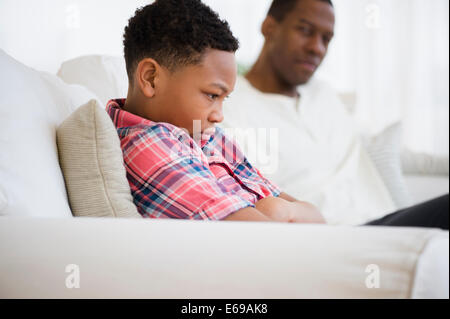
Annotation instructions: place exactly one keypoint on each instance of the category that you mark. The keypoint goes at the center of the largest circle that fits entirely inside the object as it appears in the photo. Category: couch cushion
(3, 200)
(92, 162)
(105, 76)
(385, 151)
(163, 259)
(32, 105)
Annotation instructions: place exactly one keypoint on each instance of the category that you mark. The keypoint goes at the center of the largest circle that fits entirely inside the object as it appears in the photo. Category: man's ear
(269, 27)
(147, 73)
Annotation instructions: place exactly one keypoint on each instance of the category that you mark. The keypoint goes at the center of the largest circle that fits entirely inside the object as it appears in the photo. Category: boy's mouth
(204, 133)
(210, 130)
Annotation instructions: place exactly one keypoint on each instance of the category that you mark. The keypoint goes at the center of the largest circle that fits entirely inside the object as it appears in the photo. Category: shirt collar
(122, 118)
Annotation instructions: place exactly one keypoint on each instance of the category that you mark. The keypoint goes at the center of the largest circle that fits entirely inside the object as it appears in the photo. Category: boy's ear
(146, 75)
(269, 27)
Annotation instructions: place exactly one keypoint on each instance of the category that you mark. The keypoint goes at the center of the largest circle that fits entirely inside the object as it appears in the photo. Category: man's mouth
(310, 66)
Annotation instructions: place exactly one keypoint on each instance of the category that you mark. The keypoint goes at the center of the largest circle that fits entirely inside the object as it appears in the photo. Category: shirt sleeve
(244, 170)
(274, 189)
(169, 179)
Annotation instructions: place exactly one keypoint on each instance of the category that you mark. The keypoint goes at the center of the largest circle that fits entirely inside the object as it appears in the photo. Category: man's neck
(264, 78)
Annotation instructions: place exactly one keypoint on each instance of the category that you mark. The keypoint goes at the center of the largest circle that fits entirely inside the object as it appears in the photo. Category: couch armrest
(185, 259)
(426, 187)
(414, 163)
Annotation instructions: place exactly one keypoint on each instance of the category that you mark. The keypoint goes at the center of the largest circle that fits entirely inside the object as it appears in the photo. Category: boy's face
(195, 92)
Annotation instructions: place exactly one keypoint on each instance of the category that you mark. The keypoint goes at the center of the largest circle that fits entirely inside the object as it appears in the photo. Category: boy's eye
(212, 96)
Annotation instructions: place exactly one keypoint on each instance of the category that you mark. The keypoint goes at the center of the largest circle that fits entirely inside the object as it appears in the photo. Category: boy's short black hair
(175, 33)
(280, 8)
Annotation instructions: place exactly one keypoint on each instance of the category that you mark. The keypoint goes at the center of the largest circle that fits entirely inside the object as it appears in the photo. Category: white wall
(43, 33)
(392, 54)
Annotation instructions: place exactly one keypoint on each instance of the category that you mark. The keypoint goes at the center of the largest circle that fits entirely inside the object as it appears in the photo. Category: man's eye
(305, 30)
(326, 40)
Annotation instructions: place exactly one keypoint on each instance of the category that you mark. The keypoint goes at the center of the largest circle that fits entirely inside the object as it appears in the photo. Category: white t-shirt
(310, 147)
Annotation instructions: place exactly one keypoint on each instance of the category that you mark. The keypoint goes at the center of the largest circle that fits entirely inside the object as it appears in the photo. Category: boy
(181, 66)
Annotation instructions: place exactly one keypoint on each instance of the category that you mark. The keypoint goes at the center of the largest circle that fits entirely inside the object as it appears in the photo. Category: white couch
(45, 252)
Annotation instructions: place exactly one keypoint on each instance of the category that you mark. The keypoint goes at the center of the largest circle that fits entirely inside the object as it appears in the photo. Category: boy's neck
(135, 104)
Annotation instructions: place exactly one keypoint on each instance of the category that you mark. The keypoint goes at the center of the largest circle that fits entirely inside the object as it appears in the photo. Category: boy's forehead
(218, 60)
(216, 66)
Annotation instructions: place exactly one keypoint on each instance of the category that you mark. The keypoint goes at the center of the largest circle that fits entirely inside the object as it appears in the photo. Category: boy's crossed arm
(284, 208)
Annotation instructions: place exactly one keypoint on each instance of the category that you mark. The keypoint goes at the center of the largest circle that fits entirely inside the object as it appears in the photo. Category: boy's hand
(276, 209)
(279, 209)
(303, 212)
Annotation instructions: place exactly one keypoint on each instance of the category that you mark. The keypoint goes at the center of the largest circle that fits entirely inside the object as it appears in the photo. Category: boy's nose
(216, 116)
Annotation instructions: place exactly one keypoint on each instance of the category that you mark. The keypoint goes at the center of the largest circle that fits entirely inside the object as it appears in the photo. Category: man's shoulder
(321, 94)
(318, 85)
(245, 101)
(243, 88)
(245, 91)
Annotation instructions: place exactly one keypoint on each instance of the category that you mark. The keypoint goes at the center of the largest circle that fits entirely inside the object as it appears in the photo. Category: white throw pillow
(32, 105)
(92, 163)
(105, 76)
(385, 150)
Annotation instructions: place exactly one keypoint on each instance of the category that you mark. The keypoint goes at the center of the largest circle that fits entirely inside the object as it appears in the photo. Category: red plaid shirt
(171, 176)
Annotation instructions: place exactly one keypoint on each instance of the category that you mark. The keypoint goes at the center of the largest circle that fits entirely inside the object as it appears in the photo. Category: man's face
(196, 92)
(300, 41)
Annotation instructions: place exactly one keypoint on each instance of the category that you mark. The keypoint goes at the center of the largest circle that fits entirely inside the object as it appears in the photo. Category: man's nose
(316, 45)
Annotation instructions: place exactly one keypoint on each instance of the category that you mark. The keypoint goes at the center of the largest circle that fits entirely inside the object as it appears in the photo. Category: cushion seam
(416, 265)
(105, 189)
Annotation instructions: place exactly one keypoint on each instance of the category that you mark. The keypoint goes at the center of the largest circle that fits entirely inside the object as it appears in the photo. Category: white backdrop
(392, 54)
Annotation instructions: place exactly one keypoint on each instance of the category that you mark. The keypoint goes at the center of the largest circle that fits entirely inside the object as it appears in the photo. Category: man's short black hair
(175, 33)
(280, 8)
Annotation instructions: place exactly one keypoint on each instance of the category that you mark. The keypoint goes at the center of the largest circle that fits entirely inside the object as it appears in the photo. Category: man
(317, 155)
